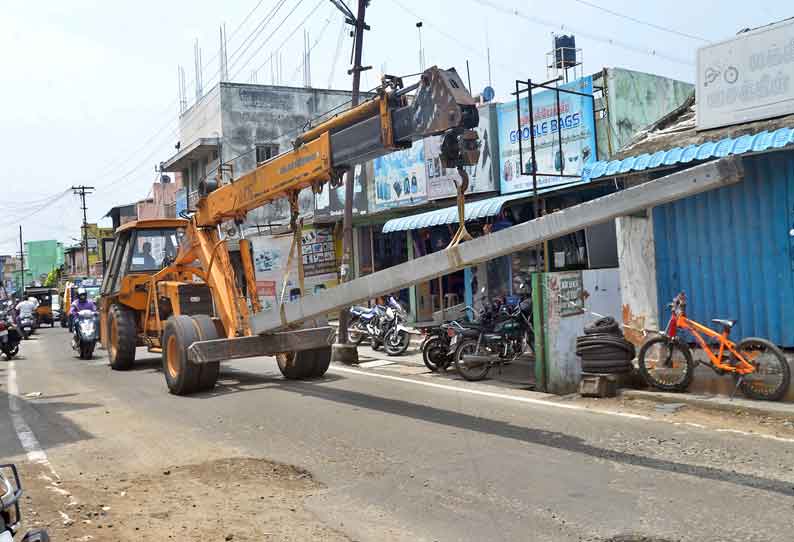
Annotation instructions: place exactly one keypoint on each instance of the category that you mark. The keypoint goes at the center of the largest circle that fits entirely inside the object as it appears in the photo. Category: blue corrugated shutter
(731, 252)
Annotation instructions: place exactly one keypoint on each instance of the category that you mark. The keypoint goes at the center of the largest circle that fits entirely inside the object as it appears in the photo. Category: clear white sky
(89, 88)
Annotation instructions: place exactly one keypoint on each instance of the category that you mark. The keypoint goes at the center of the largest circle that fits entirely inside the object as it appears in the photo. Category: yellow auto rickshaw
(48, 299)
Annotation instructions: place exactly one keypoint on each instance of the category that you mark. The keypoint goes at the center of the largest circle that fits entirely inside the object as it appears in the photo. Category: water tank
(564, 51)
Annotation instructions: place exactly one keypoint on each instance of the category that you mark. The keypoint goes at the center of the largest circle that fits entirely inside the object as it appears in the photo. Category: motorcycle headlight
(87, 327)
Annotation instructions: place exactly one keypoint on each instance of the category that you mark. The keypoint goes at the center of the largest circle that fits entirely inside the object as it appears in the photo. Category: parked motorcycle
(85, 335)
(383, 325)
(506, 335)
(10, 515)
(9, 338)
(440, 342)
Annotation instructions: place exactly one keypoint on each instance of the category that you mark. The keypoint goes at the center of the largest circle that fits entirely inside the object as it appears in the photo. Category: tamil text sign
(748, 78)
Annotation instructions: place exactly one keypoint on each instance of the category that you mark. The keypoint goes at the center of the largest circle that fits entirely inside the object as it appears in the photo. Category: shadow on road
(551, 439)
(47, 421)
(233, 381)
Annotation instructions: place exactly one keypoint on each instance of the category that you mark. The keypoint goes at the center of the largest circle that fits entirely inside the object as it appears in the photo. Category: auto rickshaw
(47, 297)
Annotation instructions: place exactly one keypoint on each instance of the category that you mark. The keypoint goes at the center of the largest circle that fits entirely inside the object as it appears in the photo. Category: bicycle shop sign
(747, 78)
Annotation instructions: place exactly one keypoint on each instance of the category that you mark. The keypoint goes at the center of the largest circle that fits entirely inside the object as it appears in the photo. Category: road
(392, 457)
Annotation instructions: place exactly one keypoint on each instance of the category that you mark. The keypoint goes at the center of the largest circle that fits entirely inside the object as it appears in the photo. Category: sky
(89, 89)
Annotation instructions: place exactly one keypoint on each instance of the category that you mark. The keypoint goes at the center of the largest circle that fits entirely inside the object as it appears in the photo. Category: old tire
(123, 338)
(181, 375)
(208, 372)
(322, 360)
(296, 365)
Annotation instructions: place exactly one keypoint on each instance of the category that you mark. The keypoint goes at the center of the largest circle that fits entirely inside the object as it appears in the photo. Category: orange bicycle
(759, 367)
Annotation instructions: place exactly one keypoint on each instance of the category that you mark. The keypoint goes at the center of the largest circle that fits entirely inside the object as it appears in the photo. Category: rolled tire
(606, 324)
(181, 375)
(617, 369)
(208, 372)
(123, 338)
(605, 364)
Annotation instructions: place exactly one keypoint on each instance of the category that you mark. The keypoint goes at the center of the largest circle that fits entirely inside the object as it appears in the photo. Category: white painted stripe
(491, 394)
(25, 434)
(551, 404)
(375, 363)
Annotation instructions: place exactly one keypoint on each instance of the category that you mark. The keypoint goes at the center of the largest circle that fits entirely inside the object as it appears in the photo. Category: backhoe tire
(322, 360)
(123, 338)
(208, 331)
(298, 365)
(181, 375)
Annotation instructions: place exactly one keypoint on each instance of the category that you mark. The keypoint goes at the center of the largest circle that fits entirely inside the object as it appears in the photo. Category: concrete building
(74, 256)
(240, 125)
(41, 257)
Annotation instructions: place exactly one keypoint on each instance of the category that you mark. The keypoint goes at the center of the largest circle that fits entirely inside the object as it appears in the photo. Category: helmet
(82, 294)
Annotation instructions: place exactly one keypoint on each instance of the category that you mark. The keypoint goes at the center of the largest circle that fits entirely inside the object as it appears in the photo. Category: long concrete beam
(672, 187)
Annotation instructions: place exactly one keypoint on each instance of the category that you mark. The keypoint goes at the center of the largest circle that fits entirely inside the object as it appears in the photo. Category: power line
(590, 35)
(316, 42)
(240, 51)
(640, 21)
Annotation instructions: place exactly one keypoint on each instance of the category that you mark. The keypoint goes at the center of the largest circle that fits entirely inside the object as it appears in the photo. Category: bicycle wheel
(666, 364)
(770, 380)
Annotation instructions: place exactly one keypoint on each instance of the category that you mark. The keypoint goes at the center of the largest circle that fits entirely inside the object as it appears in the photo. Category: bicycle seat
(724, 323)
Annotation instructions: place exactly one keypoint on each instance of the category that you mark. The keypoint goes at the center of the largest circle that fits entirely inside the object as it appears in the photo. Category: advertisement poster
(319, 257)
(270, 263)
(482, 177)
(399, 178)
(575, 119)
(331, 201)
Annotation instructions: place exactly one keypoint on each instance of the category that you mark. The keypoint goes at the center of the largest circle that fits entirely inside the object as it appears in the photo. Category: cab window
(153, 249)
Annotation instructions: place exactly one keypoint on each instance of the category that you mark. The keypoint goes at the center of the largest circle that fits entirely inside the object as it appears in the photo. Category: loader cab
(140, 249)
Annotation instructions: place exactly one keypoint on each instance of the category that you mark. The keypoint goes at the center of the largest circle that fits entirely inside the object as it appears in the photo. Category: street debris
(669, 408)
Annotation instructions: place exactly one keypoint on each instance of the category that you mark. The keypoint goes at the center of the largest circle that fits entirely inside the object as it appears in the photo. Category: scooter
(84, 338)
(27, 326)
(10, 515)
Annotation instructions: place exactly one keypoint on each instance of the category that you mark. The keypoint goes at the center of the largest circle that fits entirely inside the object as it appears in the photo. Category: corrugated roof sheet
(761, 141)
(474, 210)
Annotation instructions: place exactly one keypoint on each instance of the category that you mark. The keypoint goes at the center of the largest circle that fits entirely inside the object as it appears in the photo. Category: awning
(200, 148)
(474, 210)
(758, 142)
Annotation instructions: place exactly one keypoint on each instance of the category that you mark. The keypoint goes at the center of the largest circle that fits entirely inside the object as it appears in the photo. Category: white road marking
(375, 363)
(552, 404)
(491, 394)
(25, 434)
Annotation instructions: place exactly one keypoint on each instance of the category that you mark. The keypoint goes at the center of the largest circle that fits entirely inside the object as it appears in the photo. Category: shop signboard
(747, 78)
(399, 179)
(482, 177)
(271, 253)
(574, 119)
(331, 201)
(317, 249)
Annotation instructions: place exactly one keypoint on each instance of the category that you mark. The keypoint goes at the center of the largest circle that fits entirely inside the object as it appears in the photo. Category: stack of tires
(603, 349)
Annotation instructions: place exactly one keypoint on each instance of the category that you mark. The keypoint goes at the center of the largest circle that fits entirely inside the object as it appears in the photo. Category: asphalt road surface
(400, 456)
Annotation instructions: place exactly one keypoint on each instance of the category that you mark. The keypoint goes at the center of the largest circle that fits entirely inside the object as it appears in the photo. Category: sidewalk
(720, 403)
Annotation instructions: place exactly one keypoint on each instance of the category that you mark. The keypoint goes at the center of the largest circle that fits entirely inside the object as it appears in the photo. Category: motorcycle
(440, 342)
(84, 338)
(508, 334)
(365, 324)
(9, 338)
(397, 336)
(10, 515)
(26, 326)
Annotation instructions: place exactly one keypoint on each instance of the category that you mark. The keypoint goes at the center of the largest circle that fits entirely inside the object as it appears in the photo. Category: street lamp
(421, 51)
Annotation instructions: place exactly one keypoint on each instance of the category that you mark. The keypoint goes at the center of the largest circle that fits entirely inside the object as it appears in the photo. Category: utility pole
(81, 191)
(22, 264)
(343, 351)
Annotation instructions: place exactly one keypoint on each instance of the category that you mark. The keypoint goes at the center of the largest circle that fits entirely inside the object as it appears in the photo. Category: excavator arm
(391, 120)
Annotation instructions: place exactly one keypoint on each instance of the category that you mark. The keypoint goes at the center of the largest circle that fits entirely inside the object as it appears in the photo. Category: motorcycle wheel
(376, 343)
(355, 335)
(86, 351)
(434, 354)
(24, 334)
(396, 342)
(11, 352)
(472, 373)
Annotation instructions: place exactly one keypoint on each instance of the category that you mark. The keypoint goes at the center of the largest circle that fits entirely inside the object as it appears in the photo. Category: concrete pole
(343, 351)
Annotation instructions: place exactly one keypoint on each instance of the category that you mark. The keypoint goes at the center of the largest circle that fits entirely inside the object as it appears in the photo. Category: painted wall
(259, 114)
(637, 262)
(635, 100)
(203, 119)
(564, 322)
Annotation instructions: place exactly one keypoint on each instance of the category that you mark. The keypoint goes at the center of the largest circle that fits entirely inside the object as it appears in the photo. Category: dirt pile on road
(239, 499)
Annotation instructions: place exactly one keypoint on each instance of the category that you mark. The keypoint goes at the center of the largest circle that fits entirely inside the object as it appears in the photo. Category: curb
(717, 403)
